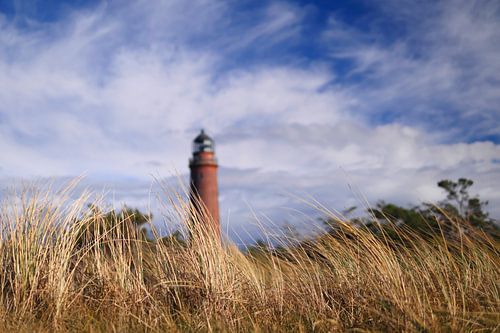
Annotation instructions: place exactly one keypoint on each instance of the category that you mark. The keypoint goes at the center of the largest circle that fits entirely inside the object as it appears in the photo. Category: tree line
(460, 212)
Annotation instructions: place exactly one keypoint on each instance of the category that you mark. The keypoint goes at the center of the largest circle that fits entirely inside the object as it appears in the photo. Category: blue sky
(338, 100)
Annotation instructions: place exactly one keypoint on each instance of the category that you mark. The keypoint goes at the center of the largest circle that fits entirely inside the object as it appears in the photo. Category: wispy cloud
(118, 90)
(438, 73)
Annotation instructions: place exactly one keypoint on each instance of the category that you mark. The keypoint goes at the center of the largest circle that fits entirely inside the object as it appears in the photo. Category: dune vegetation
(68, 266)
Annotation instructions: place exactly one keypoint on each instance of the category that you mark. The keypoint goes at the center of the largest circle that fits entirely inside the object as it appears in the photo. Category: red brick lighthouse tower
(204, 188)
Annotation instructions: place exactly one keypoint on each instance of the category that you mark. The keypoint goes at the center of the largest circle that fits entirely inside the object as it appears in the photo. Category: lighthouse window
(205, 146)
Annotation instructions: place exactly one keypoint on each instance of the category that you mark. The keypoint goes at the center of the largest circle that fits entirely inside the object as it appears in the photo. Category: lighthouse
(204, 194)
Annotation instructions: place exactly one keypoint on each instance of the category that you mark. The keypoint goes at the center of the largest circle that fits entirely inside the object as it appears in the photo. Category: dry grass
(54, 279)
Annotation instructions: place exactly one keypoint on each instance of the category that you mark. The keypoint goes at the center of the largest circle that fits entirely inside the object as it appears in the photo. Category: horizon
(337, 101)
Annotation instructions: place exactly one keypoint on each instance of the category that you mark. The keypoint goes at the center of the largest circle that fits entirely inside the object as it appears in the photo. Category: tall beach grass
(65, 267)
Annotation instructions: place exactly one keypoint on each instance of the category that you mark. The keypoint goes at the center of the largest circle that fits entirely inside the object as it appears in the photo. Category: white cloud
(438, 74)
(119, 92)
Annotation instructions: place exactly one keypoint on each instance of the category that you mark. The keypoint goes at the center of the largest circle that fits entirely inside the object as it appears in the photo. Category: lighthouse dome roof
(202, 137)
